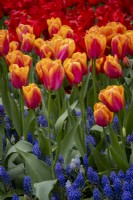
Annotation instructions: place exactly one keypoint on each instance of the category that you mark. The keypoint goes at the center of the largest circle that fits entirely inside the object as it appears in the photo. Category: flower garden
(66, 100)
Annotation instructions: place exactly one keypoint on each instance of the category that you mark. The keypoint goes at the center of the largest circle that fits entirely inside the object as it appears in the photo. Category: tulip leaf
(44, 188)
(36, 169)
(68, 141)
(62, 118)
(43, 144)
(129, 122)
(85, 84)
(16, 119)
(29, 123)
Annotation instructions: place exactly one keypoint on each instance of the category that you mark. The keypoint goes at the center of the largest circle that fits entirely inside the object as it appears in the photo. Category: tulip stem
(58, 101)
(49, 139)
(21, 100)
(94, 79)
(106, 142)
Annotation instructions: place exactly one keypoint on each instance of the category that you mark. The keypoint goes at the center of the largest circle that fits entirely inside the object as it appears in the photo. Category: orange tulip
(27, 42)
(46, 50)
(99, 65)
(38, 43)
(129, 35)
(4, 42)
(14, 45)
(32, 95)
(54, 25)
(17, 57)
(95, 44)
(22, 29)
(62, 48)
(102, 115)
(66, 32)
(119, 45)
(50, 73)
(112, 68)
(113, 97)
(73, 71)
(82, 59)
(19, 76)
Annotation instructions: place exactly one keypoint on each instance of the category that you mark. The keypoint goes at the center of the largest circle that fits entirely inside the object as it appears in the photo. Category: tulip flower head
(73, 71)
(4, 42)
(17, 57)
(54, 25)
(102, 115)
(32, 95)
(112, 68)
(27, 42)
(113, 97)
(66, 32)
(38, 43)
(14, 45)
(129, 35)
(119, 45)
(19, 76)
(50, 73)
(23, 29)
(95, 45)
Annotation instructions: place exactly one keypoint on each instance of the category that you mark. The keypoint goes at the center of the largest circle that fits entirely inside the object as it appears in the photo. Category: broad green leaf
(1, 145)
(97, 128)
(129, 122)
(61, 119)
(35, 168)
(16, 118)
(85, 84)
(16, 170)
(79, 142)
(68, 141)
(43, 189)
(43, 144)
(21, 145)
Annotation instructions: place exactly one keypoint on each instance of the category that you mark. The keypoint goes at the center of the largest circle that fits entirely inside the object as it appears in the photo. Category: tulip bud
(22, 29)
(126, 62)
(113, 97)
(129, 35)
(112, 68)
(38, 43)
(66, 32)
(14, 45)
(82, 59)
(95, 45)
(32, 95)
(102, 115)
(4, 42)
(73, 71)
(19, 76)
(119, 45)
(50, 73)
(27, 42)
(54, 25)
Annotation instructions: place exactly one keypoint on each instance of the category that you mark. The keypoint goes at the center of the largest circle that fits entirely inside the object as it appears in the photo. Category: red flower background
(80, 15)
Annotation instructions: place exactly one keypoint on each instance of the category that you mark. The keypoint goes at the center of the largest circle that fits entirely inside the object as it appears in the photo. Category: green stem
(107, 144)
(21, 101)
(58, 101)
(94, 79)
(49, 140)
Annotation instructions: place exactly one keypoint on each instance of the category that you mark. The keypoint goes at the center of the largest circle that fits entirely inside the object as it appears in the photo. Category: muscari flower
(117, 184)
(37, 151)
(15, 197)
(115, 124)
(126, 196)
(96, 194)
(113, 176)
(27, 186)
(104, 180)
(89, 139)
(79, 181)
(85, 161)
(42, 121)
(73, 193)
(108, 192)
(92, 176)
(5, 178)
(130, 138)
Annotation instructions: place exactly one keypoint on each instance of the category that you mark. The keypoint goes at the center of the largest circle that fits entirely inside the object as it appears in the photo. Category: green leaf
(68, 141)
(97, 128)
(43, 189)
(85, 84)
(43, 144)
(16, 170)
(79, 142)
(35, 168)
(29, 123)
(16, 118)
(61, 119)
(21, 145)
(129, 122)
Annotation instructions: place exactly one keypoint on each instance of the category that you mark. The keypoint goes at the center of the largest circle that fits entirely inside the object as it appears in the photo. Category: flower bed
(66, 100)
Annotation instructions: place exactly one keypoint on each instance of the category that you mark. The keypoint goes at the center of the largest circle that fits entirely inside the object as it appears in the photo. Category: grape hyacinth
(73, 193)
(15, 197)
(108, 192)
(37, 151)
(42, 121)
(96, 194)
(92, 176)
(59, 174)
(89, 139)
(27, 186)
(116, 125)
(5, 178)
(130, 138)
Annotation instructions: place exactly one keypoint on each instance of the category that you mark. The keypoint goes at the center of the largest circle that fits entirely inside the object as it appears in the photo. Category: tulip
(32, 95)
(22, 29)
(19, 76)
(113, 97)
(54, 25)
(14, 45)
(17, 57)
(38, 43)
(95, 44)
(4, 42)
(112, 68)
(27, 42)
(66, 32)
(46, 50)
(73, 71)
(126, 62)
(82, 59)
(117, 27)
(62, 48)
(50, 73)
(102, 115)
(129, 35)
(99, 65)
(119, 45)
